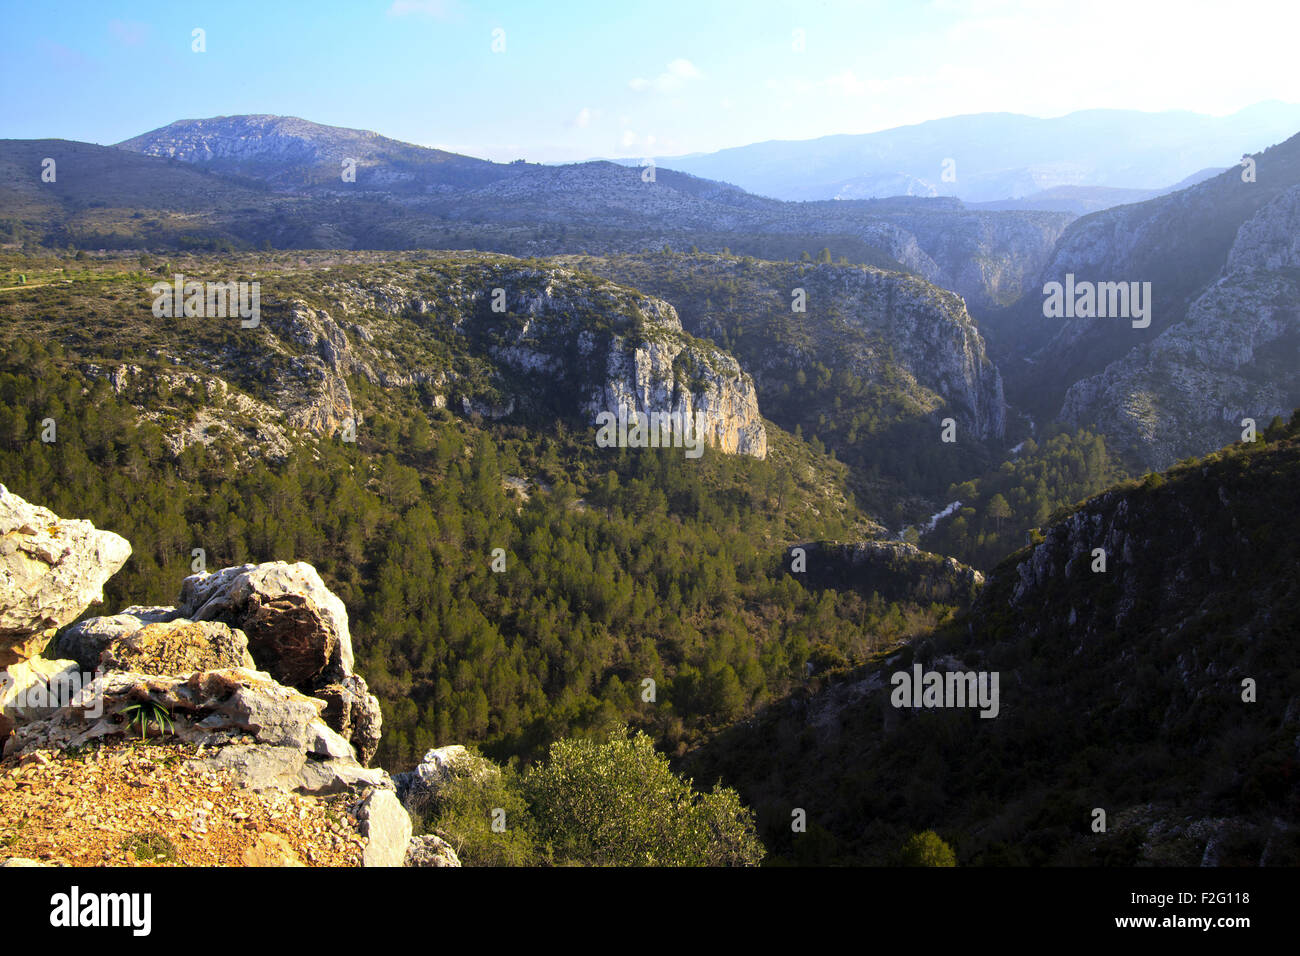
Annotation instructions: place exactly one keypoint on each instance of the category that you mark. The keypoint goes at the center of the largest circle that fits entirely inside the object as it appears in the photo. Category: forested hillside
(1159, 688)
(620, 564)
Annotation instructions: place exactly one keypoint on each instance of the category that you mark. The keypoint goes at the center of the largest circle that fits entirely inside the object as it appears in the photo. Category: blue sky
(626, 79)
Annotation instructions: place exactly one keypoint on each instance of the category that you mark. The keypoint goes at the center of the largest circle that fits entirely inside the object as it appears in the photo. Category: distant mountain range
(241, 182)
(1220, 346)
(1082, 200)
(992, 157)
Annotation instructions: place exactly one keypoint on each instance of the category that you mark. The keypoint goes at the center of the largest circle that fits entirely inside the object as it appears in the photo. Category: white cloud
(584, 117)
(672, 79)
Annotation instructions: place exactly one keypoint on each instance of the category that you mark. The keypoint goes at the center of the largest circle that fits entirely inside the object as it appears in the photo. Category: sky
(567, 80)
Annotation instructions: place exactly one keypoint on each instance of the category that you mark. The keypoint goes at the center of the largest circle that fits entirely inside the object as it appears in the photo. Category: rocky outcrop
(666, 376)
(178, 647)
(51, 570)
(213, 679)
(270, 735)
(277, 617)
(486, 336)
(895, 570)
(896, 332)
(297, 631)
(988, 258)
(607, 347)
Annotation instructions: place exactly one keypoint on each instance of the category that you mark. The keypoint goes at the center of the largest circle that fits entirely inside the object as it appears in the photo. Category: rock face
(890, 330)
(1222, 342)
(606, 347)
(988, 258)
(296, 627)
(178, 647)
(187, 674)
(51, 570)
(486, 336)
(1236, 355)
(664, 375)
(386, 826)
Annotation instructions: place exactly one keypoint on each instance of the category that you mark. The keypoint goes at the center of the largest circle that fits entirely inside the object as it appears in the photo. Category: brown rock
(353, 712)
(178, 648)
(297, 628)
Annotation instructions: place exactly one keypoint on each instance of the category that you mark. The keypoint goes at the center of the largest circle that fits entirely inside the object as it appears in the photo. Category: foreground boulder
(387, 828)
(86, 641)
(269, 735)
(51, 570)
(178, 647)
(297, 628)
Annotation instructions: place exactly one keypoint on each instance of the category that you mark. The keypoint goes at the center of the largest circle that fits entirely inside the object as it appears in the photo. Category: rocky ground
(147, 805)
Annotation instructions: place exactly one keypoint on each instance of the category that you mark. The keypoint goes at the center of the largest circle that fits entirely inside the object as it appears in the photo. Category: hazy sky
(628, 79)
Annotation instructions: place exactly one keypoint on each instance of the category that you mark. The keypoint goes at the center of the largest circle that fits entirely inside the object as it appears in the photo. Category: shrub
(927, 849)
(464, 812)
(617, 802)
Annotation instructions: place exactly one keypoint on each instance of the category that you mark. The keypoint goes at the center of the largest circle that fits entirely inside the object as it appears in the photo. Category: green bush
(927, 849)
(617, 802)
(464, 813)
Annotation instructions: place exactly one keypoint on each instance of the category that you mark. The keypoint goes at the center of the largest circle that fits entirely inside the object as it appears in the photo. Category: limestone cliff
(480, 335)
(896, 332)
(1235, 356)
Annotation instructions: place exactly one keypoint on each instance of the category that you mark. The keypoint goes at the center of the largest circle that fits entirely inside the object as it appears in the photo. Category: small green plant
(7, 842)
(146, 712)
(150, 847)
